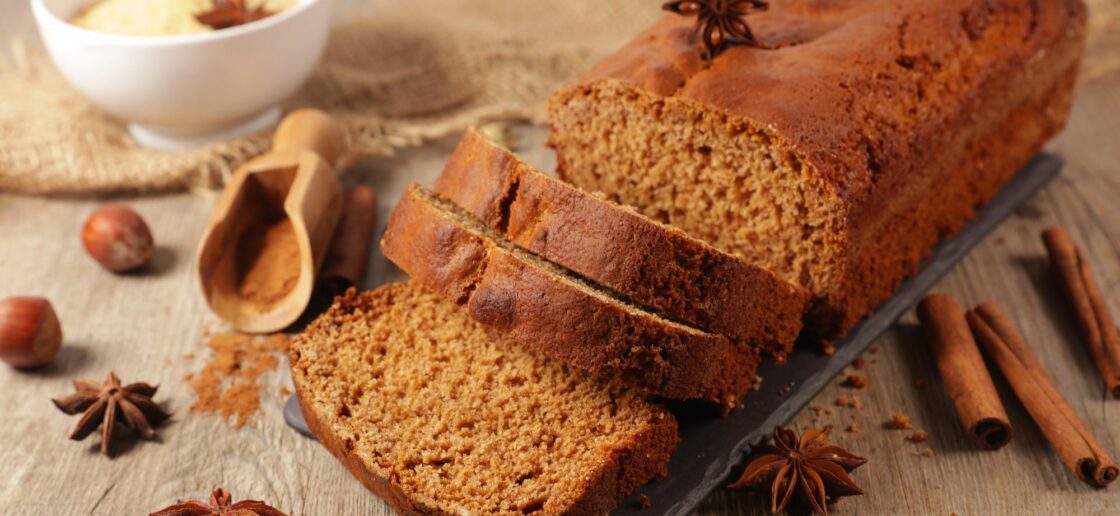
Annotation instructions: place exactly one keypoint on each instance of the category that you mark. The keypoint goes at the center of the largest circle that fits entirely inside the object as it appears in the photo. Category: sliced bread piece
(437, 415)
(551, 310)
(653, 264)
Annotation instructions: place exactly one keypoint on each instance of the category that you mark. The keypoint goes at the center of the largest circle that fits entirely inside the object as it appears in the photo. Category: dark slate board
(712, 447)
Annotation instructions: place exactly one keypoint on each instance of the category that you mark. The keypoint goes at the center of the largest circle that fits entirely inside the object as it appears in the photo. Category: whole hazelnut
(117, 238)
(29, 332)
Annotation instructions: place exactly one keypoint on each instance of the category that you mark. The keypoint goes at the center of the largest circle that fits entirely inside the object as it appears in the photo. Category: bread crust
(378, 483)
(538, 309)
(654, 265)
(910, 113)
(627, 469)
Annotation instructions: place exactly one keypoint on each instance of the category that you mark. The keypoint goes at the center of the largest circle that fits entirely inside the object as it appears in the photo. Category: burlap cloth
(403, 72)
(394, 74)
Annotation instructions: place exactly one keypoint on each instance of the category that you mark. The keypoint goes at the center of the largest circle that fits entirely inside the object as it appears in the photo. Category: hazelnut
(117, 238)
(29, 332)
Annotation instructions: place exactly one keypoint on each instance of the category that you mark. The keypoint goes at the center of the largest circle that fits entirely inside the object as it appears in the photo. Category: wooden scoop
(272, 226)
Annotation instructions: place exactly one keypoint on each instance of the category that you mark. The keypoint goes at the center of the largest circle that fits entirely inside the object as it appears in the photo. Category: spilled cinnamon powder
(228, 384)
(267, 263)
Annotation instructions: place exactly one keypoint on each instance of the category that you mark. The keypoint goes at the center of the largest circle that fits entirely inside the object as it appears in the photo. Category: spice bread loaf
(650, 263)
(551, 310)
(865, 131)
(437, 415)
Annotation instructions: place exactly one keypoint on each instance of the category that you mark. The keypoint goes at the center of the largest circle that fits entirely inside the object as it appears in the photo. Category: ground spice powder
(229, 382)
(268, 263)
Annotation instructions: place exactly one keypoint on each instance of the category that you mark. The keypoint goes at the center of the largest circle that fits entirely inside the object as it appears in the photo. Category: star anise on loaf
(230, 13)
(106, 404)
(219, 505)
(719, 23)
(809, 465)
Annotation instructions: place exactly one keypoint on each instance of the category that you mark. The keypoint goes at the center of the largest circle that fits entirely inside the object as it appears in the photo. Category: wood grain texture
(142, 325)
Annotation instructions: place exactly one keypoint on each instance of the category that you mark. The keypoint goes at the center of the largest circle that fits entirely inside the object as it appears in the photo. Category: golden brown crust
(890, 105)
(829, 106)
(652, 264)
(544, 311)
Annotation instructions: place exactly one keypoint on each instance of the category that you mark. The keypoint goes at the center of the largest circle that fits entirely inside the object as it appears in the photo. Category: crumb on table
(857, 381)
(898, 421)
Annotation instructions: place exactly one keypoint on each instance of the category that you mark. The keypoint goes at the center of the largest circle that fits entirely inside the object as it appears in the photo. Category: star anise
(103, 403)
(229, 13)
(719, 23)
(219, 506)
(809, 465)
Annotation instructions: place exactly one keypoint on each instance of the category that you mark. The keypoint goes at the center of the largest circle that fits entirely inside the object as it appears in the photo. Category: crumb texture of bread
(655, 265)
(556, 312)
(438, 415)
(838, 156)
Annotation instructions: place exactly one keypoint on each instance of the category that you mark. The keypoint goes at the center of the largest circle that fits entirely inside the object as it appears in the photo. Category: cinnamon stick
(345, 264)
(963, 371)
(1076, 446)
(1094, 321)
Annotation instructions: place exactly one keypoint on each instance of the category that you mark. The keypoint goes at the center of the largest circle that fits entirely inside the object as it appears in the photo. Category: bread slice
(437, 415)
(551, 310)
(650, 263)
(838, 153)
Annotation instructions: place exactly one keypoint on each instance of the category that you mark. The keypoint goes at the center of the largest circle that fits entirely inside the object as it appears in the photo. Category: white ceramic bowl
(180, 92)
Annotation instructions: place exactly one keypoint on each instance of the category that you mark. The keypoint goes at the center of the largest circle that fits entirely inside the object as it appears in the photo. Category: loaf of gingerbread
(839, 150)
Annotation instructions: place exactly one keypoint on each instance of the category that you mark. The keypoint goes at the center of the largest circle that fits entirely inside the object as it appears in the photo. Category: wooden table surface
(142, 326)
